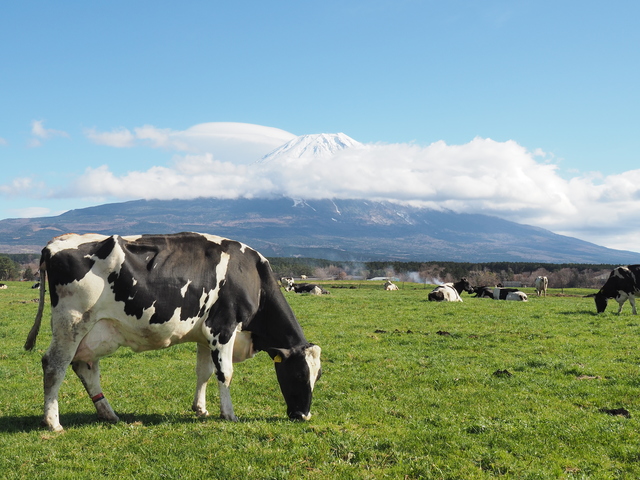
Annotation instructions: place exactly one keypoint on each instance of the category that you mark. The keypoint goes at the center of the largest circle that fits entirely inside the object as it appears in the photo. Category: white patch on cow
(183, 290)
(243, 346)
(312, 356)
(449, 291)
(517, 296)
(72, 241)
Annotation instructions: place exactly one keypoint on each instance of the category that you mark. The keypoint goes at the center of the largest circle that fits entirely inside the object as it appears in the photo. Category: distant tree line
(24, 266)
(560, 275)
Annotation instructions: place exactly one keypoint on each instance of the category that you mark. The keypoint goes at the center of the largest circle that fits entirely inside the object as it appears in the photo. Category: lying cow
(623, 284)
(311, 288)
(389, 285)
(483, 292)
(3, 286)
(450, 292)
(509, 294)
(541, 284)
(498, 293)
(153, 291)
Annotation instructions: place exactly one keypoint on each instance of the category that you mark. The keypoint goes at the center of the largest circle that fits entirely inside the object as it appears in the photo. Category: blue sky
(522, 109)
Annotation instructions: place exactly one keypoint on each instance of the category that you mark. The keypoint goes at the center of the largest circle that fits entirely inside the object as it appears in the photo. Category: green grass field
(410, 389)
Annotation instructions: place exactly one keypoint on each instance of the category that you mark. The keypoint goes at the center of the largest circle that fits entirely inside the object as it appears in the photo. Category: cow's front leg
(226, 407)
(222, 357)
(89, 375)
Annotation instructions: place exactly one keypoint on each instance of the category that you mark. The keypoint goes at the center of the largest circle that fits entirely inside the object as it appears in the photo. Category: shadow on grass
(15, 424)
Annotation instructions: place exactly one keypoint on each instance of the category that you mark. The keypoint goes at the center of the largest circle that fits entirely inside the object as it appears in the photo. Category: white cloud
(119, 138)
(39, 133)
(19, 186)
(231, 142)
(482, 176)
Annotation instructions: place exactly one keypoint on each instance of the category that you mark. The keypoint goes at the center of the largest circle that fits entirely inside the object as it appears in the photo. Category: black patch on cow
(72, 265)
(503, 292)
(157, 268)
(215, 356)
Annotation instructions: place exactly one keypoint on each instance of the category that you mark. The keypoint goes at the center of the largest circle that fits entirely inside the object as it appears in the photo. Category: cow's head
(601, 302)
(297, 370)
(287, 283)
(466, 286)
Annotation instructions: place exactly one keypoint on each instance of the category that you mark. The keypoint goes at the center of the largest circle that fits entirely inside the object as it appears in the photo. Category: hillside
(330, 229)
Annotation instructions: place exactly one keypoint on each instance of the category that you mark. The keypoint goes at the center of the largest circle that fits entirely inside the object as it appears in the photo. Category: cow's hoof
(231, 418)
(53, 428)
(109, 419)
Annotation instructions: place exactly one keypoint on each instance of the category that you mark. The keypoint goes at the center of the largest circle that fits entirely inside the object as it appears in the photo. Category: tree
(28, 274)
(8, 268)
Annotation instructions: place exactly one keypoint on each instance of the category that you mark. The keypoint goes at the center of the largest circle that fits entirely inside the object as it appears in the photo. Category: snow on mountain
(320, 145)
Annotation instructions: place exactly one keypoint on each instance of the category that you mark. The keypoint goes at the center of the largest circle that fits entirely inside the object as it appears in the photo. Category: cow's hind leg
(54, 368)
(89, 375)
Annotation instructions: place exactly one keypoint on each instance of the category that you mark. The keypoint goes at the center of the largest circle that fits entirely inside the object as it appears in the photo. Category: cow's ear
(314, 350)
(279, 354)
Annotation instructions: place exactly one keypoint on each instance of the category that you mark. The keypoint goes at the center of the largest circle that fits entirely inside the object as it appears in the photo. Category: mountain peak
(316, 145)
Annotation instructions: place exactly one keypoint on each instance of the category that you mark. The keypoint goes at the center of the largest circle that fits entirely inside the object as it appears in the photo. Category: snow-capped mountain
(320, 145)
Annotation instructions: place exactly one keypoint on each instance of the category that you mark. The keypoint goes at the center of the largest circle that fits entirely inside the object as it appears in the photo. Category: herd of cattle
(149, 292)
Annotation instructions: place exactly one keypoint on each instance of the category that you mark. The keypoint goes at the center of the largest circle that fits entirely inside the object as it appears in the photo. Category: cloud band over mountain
(482, 176)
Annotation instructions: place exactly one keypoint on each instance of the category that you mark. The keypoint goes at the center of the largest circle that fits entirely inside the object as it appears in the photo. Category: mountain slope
(331, 229)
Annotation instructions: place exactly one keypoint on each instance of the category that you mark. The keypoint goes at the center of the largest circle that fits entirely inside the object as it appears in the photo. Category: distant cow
(509, 294)
(389, 285)
(450, 292)
(623, 284)
(36, 285)
(483, 292)
(541, 285)
(3, 286)
(149, 292)
(311, 288)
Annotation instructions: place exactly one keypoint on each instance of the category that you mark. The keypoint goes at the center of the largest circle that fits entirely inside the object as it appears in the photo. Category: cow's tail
(33, 334)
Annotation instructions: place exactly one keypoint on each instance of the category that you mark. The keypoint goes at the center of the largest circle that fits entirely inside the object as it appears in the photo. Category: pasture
(410, 389)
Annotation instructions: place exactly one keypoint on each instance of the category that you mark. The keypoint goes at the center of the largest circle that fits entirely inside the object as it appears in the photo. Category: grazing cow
(541, 285)
(3, 286)
(36, 285)
(623, 284)
(389, 285)
(509, 294)
(311, 288)
(149, 292)
(450, 292)
(303, 277)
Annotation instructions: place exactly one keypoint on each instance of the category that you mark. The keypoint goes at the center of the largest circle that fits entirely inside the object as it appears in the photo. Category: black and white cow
(150, 292)
(498, 293)
(3, 286)
(541, 284)
(509, 294)
(311, 288)
(623, 284)
(389, 285)
(483, 292)
(450, 292)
